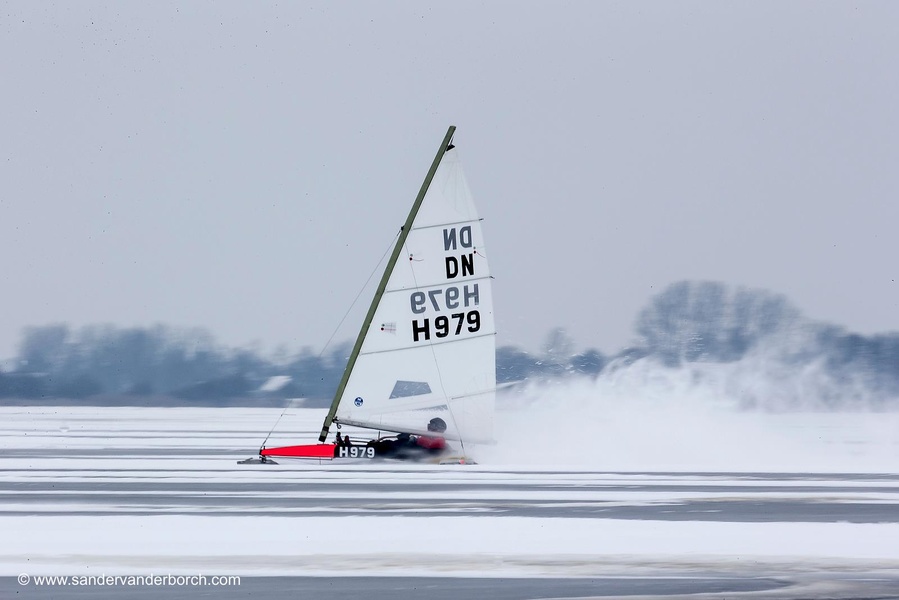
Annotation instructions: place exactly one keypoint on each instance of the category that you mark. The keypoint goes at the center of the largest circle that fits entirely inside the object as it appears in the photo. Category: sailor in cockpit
(413, 446)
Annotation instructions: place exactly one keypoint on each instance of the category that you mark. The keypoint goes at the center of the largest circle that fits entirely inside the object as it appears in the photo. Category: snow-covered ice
(129, 490)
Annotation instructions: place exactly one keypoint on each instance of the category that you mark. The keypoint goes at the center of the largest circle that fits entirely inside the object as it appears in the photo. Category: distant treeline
(108, 364)
(689, 322)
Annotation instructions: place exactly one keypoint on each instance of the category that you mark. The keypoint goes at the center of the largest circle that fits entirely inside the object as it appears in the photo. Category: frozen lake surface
(127, 491)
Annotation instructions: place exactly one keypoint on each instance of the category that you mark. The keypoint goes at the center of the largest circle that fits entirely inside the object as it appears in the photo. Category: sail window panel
(405, 389)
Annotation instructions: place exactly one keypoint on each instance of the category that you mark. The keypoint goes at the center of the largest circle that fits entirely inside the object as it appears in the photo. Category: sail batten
(447, 224)
(430, 329)
(436, 343)
(425, 287)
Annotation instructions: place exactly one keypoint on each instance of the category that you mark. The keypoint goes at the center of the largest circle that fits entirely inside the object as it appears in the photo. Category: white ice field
(140, 490)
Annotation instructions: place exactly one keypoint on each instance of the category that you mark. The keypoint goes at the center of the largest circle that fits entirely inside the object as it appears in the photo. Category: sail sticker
(358, 401)
(388, 327)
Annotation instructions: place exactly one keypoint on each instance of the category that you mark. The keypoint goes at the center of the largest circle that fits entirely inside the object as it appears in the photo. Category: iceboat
(423, 367)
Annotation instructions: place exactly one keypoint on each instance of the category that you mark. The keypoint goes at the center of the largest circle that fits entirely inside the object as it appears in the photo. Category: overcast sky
(241, 166)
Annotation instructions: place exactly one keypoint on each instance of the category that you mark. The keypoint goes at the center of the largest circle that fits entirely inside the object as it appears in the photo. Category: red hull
(304, 451)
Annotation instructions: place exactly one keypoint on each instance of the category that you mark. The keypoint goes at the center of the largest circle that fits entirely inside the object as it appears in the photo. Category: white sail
(430, 348)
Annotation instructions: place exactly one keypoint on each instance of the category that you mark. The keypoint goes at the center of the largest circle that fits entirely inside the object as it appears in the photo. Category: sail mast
(404, 233)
